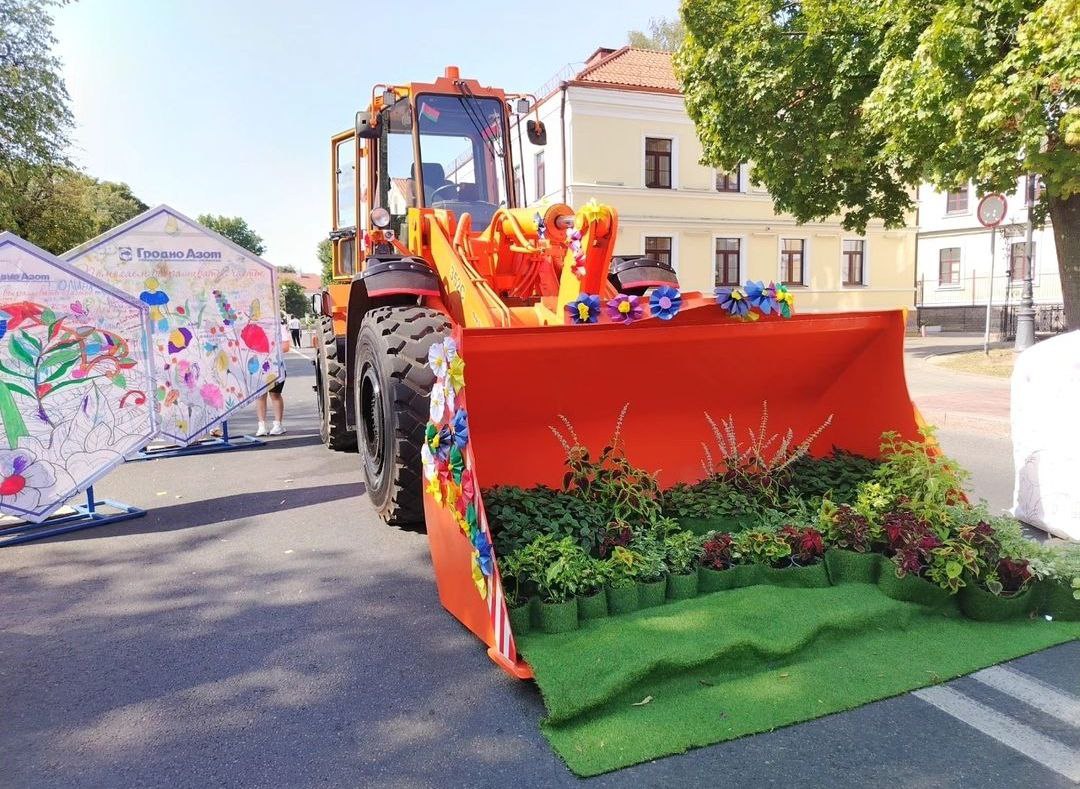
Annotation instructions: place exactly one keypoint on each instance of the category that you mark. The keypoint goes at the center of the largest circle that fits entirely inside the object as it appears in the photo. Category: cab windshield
(463, 153)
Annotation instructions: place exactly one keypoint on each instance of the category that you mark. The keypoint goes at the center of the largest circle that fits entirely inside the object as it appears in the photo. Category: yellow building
(629, 143)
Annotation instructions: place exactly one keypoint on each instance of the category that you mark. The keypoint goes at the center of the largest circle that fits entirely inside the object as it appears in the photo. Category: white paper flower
(438, 401)
(428, 461)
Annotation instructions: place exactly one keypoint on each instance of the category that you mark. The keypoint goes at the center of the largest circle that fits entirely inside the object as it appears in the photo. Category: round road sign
(992, 210)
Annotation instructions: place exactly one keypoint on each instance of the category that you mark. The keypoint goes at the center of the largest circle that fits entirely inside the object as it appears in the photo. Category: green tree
(844, 106)
(286, 269)
(293, 299)
(664, 34)
(325, 253)
(236, 229)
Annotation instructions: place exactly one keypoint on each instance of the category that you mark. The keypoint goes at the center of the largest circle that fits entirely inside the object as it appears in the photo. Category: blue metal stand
(86, 516)
(202, 447)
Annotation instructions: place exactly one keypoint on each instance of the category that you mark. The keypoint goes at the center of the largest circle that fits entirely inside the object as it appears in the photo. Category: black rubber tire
(392, 386)
(331, 388)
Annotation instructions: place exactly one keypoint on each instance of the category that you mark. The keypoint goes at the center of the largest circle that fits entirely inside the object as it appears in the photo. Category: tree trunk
(1065, 216)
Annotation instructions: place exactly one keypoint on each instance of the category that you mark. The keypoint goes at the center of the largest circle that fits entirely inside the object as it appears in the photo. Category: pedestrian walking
(277, 401)
(294, 329)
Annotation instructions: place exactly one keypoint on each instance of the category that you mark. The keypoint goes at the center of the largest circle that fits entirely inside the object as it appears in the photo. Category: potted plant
(805, 568)
(592, 599)
(714, 573)
(559, 582)
(517, 602)
(682, 551)
(848, 535)
(651, 572)
(622, 592)
(1006, 591)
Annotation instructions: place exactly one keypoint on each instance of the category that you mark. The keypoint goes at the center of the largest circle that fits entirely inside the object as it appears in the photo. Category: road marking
(1046, 751)
(1032, 692)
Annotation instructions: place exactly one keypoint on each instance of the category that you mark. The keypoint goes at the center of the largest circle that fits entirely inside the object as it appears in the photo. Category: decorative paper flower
(478, 577)
(459, 428)
(541, 228)
(733, 300)
(762, 296)
(24, 479)
(455, 376)
(472, 521)
(468, 486)
(584, 309)
(434, 490)
(438, 441)
(437, 402)
(427, 460)
(482, 546)
(785, 300)
(625, 309)
(440, 355)
(459, 518)
(592, 211)
(665, 302)
(457, 463)
(451, 494)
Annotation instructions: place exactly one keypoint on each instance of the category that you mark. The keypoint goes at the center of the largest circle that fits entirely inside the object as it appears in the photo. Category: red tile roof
(637, 69)
(309, 282)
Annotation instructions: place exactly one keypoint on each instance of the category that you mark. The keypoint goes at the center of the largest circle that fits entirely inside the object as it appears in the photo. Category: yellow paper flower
(478, 576)
(434, 489)
(462, 522)
(592, 211)
(451, 494)
(456, 373)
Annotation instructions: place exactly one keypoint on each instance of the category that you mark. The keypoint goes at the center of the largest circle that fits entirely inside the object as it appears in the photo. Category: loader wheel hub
(371, 409)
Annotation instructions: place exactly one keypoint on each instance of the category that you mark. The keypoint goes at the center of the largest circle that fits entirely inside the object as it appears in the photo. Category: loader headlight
(380, 217)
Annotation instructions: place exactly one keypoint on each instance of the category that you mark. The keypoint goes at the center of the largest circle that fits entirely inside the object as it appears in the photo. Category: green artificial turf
(749, 660)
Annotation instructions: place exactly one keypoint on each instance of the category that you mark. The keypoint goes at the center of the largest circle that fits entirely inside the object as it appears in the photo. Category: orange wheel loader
(432, 247)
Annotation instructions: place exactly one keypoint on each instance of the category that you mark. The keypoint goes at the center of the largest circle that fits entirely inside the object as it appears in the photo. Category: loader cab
(459, 142)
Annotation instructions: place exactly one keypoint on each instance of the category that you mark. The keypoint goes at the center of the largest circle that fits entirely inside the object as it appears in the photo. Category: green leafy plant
(624, 565)
(651, 559)
(837, 476)
(845, 527)
(609, 480)
(760, 546)
(917, 476)
(682, 552)
(595, 575)
(518, 516)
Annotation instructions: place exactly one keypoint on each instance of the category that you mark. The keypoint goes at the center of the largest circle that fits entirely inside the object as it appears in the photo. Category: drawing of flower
(212, 396)
(23, 479)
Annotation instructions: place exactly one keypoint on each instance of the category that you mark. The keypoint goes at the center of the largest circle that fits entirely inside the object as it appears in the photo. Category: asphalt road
(261, 627)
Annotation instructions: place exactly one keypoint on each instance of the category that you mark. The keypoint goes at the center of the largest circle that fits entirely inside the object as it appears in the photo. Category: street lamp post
(1025, 316)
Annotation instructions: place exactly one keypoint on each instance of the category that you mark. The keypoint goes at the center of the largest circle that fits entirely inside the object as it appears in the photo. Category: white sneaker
(277, 429)
(262, 429)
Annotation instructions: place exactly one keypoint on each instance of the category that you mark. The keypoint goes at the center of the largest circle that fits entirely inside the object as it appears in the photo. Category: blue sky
(227, 106)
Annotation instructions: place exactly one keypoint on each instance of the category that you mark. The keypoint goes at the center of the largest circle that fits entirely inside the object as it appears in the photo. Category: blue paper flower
(584, 309)
(762, 296)
(733, 300)
(439, 441)
(459, 427)
(665, 302)
(483, 549)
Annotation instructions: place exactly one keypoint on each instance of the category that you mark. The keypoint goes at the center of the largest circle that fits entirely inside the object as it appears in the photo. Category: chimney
(598, 55)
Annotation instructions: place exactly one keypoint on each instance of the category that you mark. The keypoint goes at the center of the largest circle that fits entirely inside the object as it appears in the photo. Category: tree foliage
(293, 300)
(844, 106)
(236, 229)
(325, 253)
(663, 34)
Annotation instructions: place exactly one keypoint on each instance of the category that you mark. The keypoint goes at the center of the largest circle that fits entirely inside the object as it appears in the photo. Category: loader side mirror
(316, 304)
(365, 129)
(537, 132)
(522, 106)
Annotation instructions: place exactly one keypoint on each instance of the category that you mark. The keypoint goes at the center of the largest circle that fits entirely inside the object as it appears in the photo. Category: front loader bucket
(519, 380)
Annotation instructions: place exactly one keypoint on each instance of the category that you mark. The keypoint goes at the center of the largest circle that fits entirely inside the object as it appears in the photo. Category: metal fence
(1049, 319)
(962, 307)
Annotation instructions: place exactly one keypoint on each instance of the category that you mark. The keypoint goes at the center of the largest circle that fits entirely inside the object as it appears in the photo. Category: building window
(956, 202)
(792, 261)
(657, 163)
(541, 181)
(1019, 263)
(727, 182)
(658, 248)
(949, 266)
(727, 262)
(854, 251)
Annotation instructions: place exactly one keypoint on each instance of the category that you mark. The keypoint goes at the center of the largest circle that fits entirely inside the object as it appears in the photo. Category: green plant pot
(913, 589)
(813, 576)
(593, 606)
(622, 599)
(1058, 601)
(651, 593)
(682, 587)
(559, 617)
(520, 619)
(849, 567)
(710, 580)
(534, 612)
(977, 603)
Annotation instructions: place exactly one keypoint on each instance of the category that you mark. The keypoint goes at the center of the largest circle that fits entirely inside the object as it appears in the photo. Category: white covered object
(1046, 436)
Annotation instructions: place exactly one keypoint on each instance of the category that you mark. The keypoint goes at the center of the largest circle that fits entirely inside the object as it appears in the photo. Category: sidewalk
(956, 400)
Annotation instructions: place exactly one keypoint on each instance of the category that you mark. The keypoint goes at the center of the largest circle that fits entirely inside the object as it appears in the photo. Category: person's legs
(260, 414)
(295, 337)
(277, 402)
